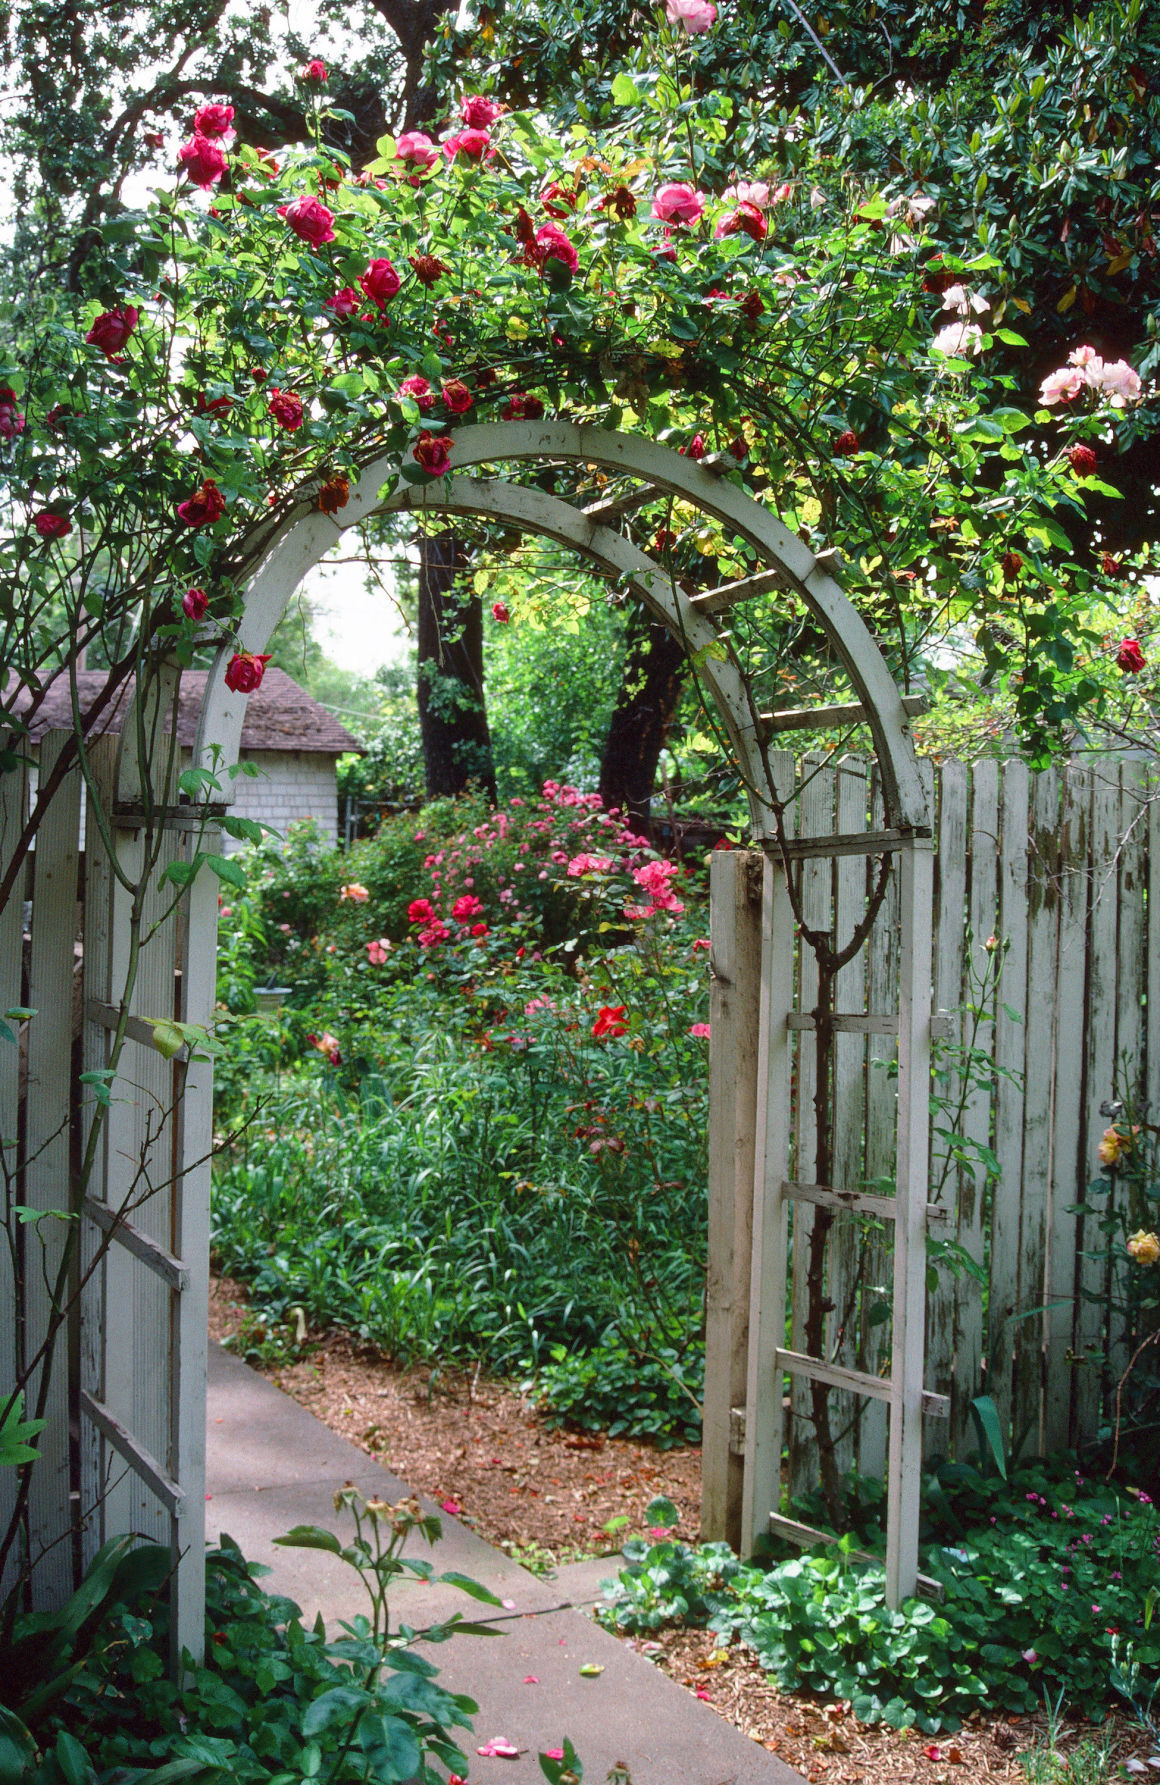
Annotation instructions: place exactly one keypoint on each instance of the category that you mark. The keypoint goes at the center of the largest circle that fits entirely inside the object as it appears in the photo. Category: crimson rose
(112, 328)
(245, 670)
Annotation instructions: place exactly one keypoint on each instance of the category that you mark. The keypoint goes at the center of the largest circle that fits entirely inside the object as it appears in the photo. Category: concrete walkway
(272, 1465)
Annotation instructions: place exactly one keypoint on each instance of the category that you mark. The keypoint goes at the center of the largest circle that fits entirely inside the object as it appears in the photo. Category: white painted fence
(1056, 876)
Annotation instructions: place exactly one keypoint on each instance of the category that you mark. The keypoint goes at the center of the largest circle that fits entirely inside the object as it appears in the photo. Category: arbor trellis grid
(138, 1316)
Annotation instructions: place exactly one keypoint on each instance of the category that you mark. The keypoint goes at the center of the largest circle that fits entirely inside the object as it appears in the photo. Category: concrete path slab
(271, 1465)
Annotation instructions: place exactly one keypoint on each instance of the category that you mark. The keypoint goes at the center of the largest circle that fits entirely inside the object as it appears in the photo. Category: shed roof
(279, 714)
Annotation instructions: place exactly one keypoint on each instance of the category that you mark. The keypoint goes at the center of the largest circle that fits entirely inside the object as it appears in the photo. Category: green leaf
(625, 91)
(661, 1511)
(391, 1747)
(472, 1587)
(17, 1752)
(73, 1762)
(167, 1039)
(230, 871)
(310, 1537)
(989, 1431)
(181, 873)
(246, 829)
(338, 1705)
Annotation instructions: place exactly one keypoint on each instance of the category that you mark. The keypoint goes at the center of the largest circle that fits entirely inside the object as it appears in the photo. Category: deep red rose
(499, 613)
(212, 120)
(751, 306)
(1111, 565)
(937, 282)
(521, 407)
(344, 303)
(334, 494)
(479, 113)
(310, 220)
(525, 230)
(204, 507)
(52, 526)
(286, 408)
(696, 448)
(112, 328)
(433, 452)
(417, 388)
(153, 139)
(477, 929)
(559, 200)
(194, 604)
(457, 397)
(1129, 657)
(610, 1020)
(314, 73)
(380, 282)
(203, 160)
(420, 911)
(739, 447)
(245, 670)
(622, 201)
(59, 417)
(428, 270)
(259, 374)
(1011, 564)
(846, 443)
(1082, 460)
(215, 406)
(11, 418)
(664, 539)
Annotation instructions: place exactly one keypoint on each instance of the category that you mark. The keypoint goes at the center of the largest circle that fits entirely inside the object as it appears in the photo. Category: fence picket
(881, 1150)
(13, 797)
(950, 946)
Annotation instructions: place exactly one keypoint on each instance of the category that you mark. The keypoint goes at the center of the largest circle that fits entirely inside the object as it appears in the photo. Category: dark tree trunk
(452, 714)
(654, 673)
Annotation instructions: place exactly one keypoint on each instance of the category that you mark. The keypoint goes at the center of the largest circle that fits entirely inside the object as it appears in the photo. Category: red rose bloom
(695, 448)
(558, 200)
(610, 1020)
(334, 494)
(428, 270)
(204, 507)
(314, 73)
(203, 160)
(11, 418)
(622, 201)
(344, 302)
(194, 604)
(286, 408)
(1129, 657)
(739, 447)
(751, 306)
(1110, 565)
(846, 443)
(212, 120)
(433, 452)
(1082, 460)
(309, 220)
(417, 388)
(479, 113)
(1011, 564)
(500, 613)
(457, 397)
(245, 670)
(112, 329)
(521, 407)
(380, 282)
(52, 526)
(554, 245)
(58, 417)
(473, 145)
(420, 911)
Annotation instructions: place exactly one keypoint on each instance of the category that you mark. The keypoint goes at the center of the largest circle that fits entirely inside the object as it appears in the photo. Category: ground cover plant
(477, 1128)
(1048, 1586)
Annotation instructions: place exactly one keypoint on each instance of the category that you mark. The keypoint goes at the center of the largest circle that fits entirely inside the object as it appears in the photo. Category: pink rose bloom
(479, 113)
(1117, 381)
(700, 1030)
(499, 613)
(213, 120)
(1082, 356)
(344, 303)
(194, 604)
(588, 864)
(467, 906)
(695, 15)
(433, 452)
(417, 388)
(112, 329)
(679, 203)
(457, 397)
(309, 220)
(554, 245)
(749, 192)
(377, 952)
(314, 73)
(203, 160)
(380, 282)
(473, 145)
(1061, 386)
(416, 149)
(11, 418)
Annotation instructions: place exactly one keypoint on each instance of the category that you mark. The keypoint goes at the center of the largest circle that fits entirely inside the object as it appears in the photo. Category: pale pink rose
(678, 202)
(1082, 356)
(1117, 381)
(958, 340)
(752, 192)
(376, 951)
(695, 15)
(1061, 386)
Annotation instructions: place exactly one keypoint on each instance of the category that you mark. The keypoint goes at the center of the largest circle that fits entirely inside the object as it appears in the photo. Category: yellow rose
(1144, 1247)
(1112, 1146)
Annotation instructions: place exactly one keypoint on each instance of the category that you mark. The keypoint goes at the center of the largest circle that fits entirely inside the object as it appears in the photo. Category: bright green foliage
(1047, 1583)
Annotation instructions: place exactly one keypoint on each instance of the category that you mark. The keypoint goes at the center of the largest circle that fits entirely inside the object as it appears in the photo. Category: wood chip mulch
(546, 1497)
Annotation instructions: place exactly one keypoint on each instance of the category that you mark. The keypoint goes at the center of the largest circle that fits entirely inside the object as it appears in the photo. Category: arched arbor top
(281, 555)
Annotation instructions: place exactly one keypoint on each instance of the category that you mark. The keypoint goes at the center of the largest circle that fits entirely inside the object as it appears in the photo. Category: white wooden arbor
(141, 1337)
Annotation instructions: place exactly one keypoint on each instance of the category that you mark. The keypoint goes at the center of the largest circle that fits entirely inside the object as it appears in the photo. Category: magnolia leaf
(167, 1039)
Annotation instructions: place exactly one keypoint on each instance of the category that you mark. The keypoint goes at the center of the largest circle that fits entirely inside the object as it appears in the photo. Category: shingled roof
(279, 715)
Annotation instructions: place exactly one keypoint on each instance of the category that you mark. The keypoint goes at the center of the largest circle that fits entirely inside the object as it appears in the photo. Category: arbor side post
(734, 1003)
(916, 900)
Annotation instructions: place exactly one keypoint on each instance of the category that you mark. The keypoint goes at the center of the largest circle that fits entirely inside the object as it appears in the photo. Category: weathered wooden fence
(1052, 882)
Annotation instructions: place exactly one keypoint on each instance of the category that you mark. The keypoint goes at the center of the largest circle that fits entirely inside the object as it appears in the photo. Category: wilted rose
(433, 452)
(457, 397)
(206, 505)
(1130, 658)
(417, 388)
(195, 604)
(334, 494)
(427, 269)
(1082, 460)
(286, 408)
(521, 407)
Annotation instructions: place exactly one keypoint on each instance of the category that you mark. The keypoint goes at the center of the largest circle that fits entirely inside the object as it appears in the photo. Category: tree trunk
(654, 671)
(452, 714)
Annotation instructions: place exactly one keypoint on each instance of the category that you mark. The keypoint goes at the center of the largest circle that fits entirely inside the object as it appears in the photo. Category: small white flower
(958, 340)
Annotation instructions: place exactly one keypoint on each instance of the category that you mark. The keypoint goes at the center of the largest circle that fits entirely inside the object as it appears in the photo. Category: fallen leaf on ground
(531, 1679)
(590, 1670)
